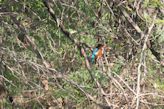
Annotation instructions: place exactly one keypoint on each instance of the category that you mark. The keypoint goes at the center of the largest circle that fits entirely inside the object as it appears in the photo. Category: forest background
(45, 49)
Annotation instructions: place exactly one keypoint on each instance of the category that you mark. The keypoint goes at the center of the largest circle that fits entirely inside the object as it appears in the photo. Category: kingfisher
(98, 51)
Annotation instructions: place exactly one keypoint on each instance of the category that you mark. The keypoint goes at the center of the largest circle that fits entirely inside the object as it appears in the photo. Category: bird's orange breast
(98, 53)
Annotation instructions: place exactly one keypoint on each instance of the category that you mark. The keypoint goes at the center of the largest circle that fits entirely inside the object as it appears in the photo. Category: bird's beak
(105, 47)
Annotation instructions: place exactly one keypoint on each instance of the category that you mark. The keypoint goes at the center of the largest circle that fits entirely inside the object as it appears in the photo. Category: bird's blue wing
(94, 51)
(93, 55)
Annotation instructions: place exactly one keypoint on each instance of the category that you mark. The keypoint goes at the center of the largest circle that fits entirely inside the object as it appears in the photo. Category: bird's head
(101, 45)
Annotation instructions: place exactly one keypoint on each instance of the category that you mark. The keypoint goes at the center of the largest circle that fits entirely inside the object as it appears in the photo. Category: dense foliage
(45, 49)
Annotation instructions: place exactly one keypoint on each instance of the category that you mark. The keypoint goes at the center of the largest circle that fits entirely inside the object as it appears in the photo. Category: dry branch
(140, 64)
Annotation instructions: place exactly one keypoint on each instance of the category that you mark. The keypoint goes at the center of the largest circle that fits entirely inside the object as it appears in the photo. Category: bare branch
(140, 64)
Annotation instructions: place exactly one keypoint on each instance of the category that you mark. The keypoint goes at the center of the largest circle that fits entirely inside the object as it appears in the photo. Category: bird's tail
(91, 61)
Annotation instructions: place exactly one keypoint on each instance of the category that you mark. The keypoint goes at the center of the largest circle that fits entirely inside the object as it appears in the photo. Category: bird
(98, 51)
